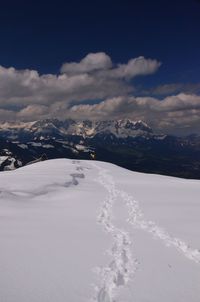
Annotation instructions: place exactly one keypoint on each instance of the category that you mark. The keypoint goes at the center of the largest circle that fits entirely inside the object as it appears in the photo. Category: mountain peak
(128, 123)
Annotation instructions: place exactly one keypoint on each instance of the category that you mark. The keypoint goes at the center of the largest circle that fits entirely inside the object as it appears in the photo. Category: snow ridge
(122, 266)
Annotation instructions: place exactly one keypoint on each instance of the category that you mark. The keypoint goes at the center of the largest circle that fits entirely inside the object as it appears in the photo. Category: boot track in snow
(122, 267)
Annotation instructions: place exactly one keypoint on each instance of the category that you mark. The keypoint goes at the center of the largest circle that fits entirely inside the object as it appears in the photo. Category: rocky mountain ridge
(120, 128)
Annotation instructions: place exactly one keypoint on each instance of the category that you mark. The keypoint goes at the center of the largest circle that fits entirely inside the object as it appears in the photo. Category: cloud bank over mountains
(175, 114)
(95, 88)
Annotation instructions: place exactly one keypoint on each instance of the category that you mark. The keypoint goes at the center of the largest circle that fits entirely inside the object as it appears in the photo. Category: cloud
(25, 87)
(33, 110)
(92, 62)
(135, 67)
(7, 115)
(172, 88)
(100, 65)
(94, 77)
(178, 114)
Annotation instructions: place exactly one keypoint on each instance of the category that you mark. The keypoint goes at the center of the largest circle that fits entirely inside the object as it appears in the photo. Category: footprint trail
(121, 269)
(122, 266)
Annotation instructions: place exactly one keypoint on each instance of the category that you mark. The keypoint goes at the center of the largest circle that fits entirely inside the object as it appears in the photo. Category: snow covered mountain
(91, 231)
(130, 144)
(120, 128)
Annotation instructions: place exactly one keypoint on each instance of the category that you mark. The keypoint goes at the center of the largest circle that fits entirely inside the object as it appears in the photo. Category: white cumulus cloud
(100, 65)
(92, 62)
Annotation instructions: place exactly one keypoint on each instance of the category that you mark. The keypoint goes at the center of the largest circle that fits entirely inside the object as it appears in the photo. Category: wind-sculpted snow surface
(83, 231)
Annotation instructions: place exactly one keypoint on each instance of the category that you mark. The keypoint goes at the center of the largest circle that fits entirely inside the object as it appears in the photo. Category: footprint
(77, 175)
(74, 162)
(79, 168)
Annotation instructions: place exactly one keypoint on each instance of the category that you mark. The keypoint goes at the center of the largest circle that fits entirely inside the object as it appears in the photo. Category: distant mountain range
(130, 144)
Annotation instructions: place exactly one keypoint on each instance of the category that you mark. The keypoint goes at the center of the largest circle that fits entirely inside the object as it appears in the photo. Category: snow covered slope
(80, 231)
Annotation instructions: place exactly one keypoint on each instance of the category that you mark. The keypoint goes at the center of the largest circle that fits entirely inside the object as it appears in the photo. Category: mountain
(91, 231)
(130, 144)
(51, 128)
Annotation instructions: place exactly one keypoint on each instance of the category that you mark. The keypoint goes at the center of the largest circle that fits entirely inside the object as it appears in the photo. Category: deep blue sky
(44, 35)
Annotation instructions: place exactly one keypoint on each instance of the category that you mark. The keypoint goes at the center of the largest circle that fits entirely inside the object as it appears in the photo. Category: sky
(102, 60)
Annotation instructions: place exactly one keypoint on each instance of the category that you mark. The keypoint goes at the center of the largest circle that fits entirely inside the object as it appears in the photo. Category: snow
(35, 144)
(23, 146)
(80, 147)
(48, 146)
(91, 231)
(11, 166)
(13, 125)
(11, 162)
(3, 158)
